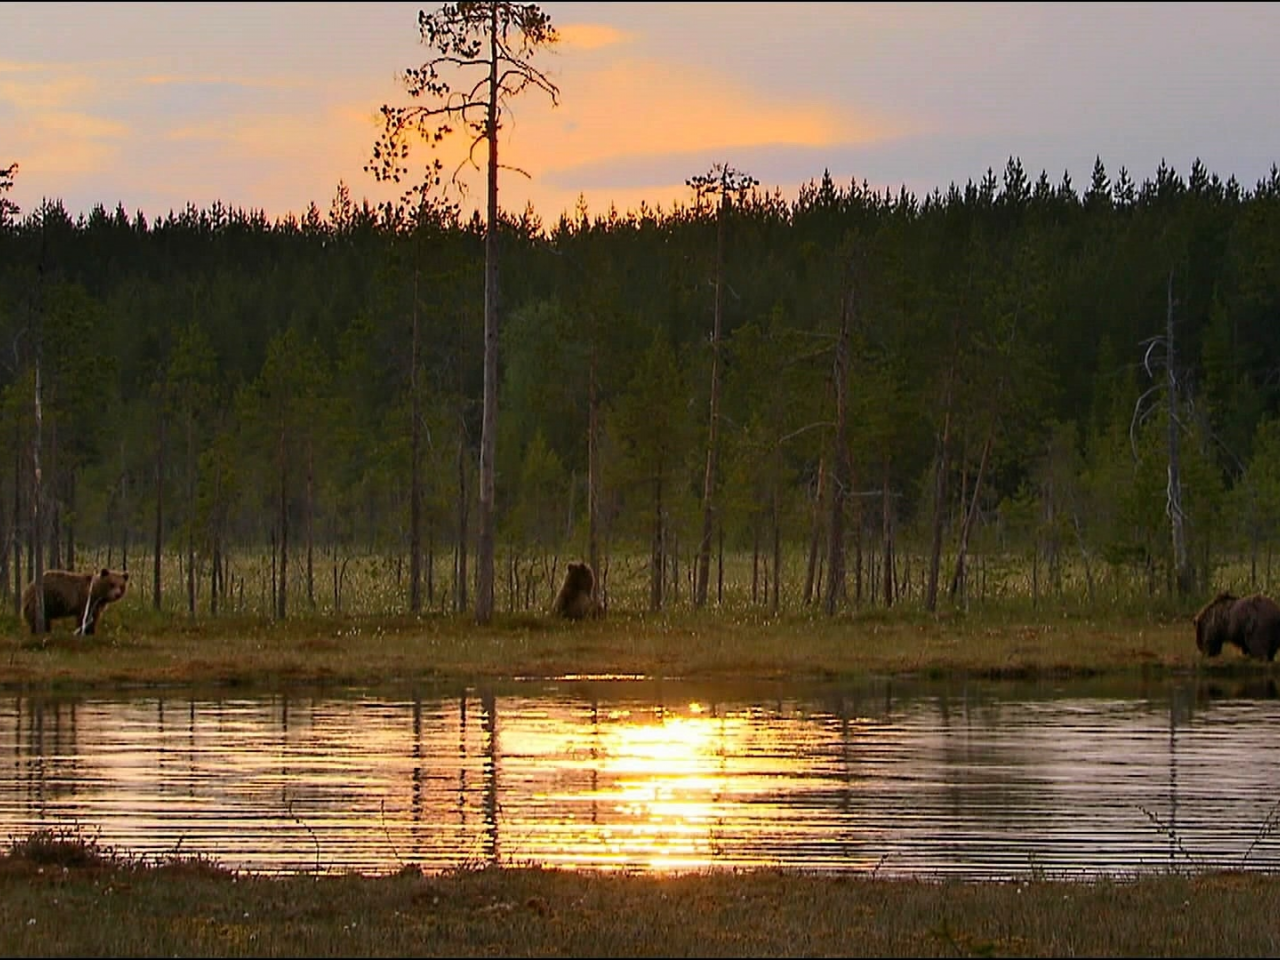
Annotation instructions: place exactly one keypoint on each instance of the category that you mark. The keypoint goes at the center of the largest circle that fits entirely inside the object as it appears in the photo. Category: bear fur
(1250, 623)
(67, 593)
(577, 597)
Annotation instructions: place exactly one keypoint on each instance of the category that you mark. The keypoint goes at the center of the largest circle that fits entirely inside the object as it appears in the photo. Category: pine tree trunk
(37, 519)
(415, 456)
(593, 466)
(942, 464)
(489, 417)
(709, 477)
(966, 527)
(159, 532)
(815, 534)
(886, 533)
(1181, 566)
(460, 582)
(840, 460)
(282, 590)
(191, 516)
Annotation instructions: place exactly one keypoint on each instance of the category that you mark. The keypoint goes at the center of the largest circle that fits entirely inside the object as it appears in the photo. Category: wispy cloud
(591, 36)
(38, 89)
(216, 80)
(631, 114)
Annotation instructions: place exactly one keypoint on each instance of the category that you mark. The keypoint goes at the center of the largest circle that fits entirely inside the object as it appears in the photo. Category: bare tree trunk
(37, 519)
(1181, 567)
(593, 466)
(415, 456)
(489, 417)
(962, 551)
(815, 534)
(658, 549)
(777, 552)
(309, 518)
(460, 565)
(720, 563)
(886, 532)
(69, 525)
(14, 534)
(53, 518)
(713, 429)
(840, 459)
(941, 465)
(191, 516)
(124, 512)
(755, 562)
(215, 575)
(282, 591)
(159, 537)
(431, 563)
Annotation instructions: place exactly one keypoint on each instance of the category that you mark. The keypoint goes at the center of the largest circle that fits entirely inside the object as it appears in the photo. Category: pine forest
(1016, 390)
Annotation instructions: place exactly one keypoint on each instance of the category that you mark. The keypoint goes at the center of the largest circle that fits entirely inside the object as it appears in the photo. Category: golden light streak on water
(967, 780)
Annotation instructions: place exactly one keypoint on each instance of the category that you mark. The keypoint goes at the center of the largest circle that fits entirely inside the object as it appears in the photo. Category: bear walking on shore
(83, 596)
(1250, 623)
(577, 597)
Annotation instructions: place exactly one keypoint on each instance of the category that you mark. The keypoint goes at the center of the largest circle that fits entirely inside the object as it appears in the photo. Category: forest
(1015, 388)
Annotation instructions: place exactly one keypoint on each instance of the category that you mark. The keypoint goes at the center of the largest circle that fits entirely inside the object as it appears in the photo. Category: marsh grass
(65, 896)
(139, 647)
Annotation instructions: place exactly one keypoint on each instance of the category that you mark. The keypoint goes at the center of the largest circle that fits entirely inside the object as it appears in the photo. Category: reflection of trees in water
(44, 739)
(904, 776)
(489, 705)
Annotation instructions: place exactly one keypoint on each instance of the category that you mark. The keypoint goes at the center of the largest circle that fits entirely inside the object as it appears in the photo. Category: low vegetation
(139, 647)
(62, 894)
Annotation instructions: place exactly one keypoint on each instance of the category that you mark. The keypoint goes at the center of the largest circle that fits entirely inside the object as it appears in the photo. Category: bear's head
(1212, 623)
(109, 585)
(579, 578)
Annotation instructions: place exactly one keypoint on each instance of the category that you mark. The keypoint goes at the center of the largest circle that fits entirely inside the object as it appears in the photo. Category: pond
(979, 780)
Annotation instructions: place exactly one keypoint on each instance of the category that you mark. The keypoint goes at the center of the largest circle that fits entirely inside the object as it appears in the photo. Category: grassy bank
(140, 648)
(64, 898)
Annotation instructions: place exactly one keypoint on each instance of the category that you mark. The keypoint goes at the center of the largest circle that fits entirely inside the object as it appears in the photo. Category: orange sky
(270, 106)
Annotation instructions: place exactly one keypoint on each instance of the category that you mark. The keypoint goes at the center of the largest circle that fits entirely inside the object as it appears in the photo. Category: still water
(976, 780)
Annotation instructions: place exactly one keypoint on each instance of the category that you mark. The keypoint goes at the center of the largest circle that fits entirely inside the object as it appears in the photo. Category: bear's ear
(125, 575)
(104, 572)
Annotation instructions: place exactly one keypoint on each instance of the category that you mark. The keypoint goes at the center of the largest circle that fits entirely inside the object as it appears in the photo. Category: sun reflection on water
(637, 777)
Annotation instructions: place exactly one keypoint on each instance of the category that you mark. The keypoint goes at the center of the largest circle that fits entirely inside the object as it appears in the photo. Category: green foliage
(282, 349)
(652, 424)
(539, 516)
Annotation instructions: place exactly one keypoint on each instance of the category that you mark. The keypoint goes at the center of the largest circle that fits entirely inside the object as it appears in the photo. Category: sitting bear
(577, 597)
(80, 595)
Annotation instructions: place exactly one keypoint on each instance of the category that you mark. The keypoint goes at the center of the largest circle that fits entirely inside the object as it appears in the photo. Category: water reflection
(974, 780)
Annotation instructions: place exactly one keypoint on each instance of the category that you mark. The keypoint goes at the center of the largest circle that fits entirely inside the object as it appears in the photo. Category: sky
(271, 106)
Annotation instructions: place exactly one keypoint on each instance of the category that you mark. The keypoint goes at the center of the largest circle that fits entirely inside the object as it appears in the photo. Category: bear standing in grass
(80, 595)
(577, 597)
(1250, 623)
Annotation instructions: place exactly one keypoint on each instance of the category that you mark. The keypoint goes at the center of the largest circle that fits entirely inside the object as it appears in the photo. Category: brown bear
(80, 595)
(1251, 623)
(577, 597)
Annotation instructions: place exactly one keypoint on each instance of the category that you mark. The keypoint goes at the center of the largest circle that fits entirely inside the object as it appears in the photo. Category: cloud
(38, 88)
(211, 80)
(591, 36)
(639, 122)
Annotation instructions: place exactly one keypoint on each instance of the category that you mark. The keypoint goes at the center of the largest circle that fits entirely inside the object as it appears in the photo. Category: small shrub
(66, 847)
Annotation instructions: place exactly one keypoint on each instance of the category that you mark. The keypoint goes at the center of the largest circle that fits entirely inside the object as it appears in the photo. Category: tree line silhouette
(1077, 384)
